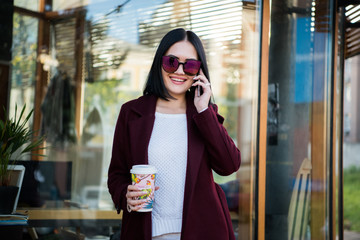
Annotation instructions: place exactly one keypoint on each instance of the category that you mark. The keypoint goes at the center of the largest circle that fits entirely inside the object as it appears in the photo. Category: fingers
(201, 101)
(134, 202)
(132, 195)
(134, 207)
(135, 194)
(132, 198)
(201, 80)
(202, 84)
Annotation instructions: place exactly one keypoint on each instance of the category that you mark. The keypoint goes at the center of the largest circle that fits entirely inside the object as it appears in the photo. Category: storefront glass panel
(33, 5)
(351, 147)
(23, 70)
(99, 57)
(298, 130)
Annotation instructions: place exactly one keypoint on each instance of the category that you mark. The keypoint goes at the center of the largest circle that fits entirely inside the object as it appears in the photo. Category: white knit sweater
(167, 151)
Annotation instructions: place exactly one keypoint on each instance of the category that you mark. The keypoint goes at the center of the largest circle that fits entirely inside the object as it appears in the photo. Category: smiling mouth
(177, 79)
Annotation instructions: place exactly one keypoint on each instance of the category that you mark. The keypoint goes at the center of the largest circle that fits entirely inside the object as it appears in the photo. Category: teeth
(177, 80)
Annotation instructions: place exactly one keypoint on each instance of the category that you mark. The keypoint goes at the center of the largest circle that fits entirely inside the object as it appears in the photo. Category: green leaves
(351, 198)
(16, 139)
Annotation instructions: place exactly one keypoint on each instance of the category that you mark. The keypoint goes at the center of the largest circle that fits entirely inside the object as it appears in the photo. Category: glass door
(298, 159)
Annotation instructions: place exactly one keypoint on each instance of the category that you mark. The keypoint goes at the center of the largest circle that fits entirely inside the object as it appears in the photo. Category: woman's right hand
(132, 195)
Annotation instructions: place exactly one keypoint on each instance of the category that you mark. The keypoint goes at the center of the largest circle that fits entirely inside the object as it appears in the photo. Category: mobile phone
(199, 90)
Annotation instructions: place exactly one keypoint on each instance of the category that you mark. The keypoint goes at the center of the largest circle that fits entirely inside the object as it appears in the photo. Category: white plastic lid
(143, 169)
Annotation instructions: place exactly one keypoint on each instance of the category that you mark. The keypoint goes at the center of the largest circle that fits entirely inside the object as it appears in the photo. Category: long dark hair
(155, 83)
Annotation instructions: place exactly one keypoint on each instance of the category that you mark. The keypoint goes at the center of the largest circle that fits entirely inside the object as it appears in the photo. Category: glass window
(99, 59)
(297, 165)
(351, 147)
(230, 34)
(24, 54)
(58, 5)
(33, 5)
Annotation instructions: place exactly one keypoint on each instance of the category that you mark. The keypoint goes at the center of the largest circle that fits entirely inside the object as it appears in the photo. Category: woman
(175, 127)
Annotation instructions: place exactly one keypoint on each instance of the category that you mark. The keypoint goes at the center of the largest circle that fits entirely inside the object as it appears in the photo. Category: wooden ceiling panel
(352, 32)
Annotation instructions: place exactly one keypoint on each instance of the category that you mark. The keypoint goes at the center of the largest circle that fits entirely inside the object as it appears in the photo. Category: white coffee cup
(143, 176)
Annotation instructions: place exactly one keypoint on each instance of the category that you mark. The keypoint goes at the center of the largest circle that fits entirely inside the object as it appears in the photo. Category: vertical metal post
(262, 124)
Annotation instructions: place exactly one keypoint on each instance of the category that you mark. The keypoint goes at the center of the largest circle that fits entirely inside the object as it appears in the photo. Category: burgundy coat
(205, 211)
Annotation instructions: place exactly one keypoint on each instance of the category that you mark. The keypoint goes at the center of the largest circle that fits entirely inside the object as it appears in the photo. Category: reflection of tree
(92, 127)
(231, 105)
(107, 96)
(230, 110)
(24, 52)
(103, 52)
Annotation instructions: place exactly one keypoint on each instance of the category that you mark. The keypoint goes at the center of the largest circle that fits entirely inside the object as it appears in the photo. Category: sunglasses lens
(170, 64)
(191, 67)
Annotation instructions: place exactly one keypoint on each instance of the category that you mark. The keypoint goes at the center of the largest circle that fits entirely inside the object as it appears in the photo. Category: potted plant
(16, 139)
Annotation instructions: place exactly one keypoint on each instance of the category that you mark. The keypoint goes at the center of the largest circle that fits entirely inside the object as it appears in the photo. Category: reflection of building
(117, 60)
(220, 26)
(209, 19)
(165, 17)
(113, 59)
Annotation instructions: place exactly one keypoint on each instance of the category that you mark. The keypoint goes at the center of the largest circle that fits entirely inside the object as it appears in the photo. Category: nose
(180, 69)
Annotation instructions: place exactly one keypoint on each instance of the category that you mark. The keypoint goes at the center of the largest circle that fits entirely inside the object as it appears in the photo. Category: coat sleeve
(119, 174)
(224, 156)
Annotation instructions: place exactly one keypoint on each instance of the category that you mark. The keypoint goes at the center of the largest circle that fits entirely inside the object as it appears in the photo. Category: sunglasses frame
(180, 63)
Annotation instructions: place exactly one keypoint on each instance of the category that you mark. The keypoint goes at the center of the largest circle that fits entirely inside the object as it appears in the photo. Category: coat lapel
(140, 128)
(195, 153)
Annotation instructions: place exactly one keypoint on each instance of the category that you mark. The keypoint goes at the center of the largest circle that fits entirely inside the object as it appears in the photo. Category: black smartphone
(199, 88)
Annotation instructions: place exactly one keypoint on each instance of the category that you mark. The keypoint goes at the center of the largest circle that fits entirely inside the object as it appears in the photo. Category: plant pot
(7, 199)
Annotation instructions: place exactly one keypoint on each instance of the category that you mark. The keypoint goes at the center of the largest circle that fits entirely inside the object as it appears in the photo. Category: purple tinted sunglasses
(170, 64)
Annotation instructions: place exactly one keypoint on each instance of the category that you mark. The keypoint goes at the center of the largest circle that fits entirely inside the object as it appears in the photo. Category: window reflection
(31, 5)
(298, 117)
(351, 147)
(228, 50)
(118, 47)
(23, 73)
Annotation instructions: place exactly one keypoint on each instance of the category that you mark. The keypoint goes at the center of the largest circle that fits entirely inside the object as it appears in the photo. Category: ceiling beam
(352, 25)
(344, 3)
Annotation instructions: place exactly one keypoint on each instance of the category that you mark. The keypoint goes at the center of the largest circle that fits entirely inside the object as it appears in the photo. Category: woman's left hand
(201, 102)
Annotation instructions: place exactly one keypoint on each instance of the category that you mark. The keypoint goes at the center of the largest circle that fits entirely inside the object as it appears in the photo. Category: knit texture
(167, 151)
